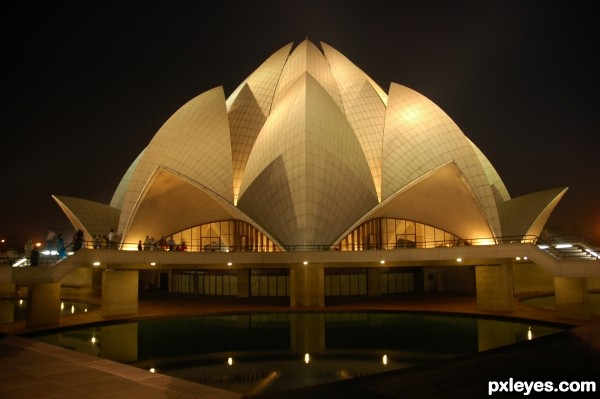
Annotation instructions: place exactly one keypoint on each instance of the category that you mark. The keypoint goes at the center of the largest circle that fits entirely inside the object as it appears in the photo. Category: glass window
(226, 235)
(390, 233)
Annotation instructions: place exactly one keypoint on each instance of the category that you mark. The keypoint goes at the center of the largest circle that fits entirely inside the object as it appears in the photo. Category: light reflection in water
(12, 310)
(279, 351)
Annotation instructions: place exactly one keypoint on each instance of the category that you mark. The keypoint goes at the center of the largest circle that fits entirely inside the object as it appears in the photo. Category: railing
(555, 246)
(559, 247)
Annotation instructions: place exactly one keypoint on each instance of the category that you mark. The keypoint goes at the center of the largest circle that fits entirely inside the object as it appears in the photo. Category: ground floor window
(346, 282)
(271, 282)
(401, 281)
(276, 282)
(205, 283)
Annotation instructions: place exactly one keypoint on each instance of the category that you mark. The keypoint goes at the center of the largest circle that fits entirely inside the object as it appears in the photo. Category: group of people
(163, 244)
(55, 241)
(78, 240)
(105, 241)
(32, 254)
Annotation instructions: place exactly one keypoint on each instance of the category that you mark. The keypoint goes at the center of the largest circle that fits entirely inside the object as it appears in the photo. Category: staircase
(570, 248)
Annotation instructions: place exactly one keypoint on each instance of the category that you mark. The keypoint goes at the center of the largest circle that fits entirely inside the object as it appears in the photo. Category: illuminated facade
(310, 152)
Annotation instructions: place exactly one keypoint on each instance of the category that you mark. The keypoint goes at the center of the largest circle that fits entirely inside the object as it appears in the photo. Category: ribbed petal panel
(307, 178)
(194, 142)
(420, 137)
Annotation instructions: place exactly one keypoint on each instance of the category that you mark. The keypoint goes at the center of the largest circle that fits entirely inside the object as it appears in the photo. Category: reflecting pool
(269, 352)
(12, 310)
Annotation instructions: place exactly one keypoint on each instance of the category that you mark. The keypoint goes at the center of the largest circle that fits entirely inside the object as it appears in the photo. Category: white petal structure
(306, 151)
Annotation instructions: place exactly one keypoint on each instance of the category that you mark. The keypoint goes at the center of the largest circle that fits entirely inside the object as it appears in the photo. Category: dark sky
(86, 85)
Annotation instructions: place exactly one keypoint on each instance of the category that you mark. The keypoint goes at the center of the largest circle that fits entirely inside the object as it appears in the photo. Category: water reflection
(268, 352)
(12, 310)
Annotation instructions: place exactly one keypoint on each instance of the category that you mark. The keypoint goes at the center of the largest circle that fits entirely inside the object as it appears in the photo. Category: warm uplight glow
(152, 263)
(72, 309)
(230, 361)
(305, 263)
(96, 263)
(459, 260)
(529, 334)
(411, 113)
(384, 360)
(518, 258)
(152, 370)
(229, 263)
(38, 244)
(483, 241)
(62, 306)
(382, 261)
(20, 301)
(93, 340)
(306, 358)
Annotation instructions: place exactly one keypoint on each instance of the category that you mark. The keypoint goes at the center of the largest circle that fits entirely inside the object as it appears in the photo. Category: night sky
(86, 85)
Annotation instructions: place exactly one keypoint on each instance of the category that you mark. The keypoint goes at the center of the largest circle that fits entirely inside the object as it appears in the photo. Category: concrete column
(8, 290)
(80, 277)
(494, 333)
(307, 332)
(120, 342)
(243, 283)
(119, 292)
(494, 287)
(373, 282)
(571, 298)
(307, 285)
(7, 312)
(43, 304)
(97, 278)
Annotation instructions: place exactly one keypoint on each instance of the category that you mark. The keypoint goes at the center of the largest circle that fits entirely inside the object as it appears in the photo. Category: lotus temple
(310, 183)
